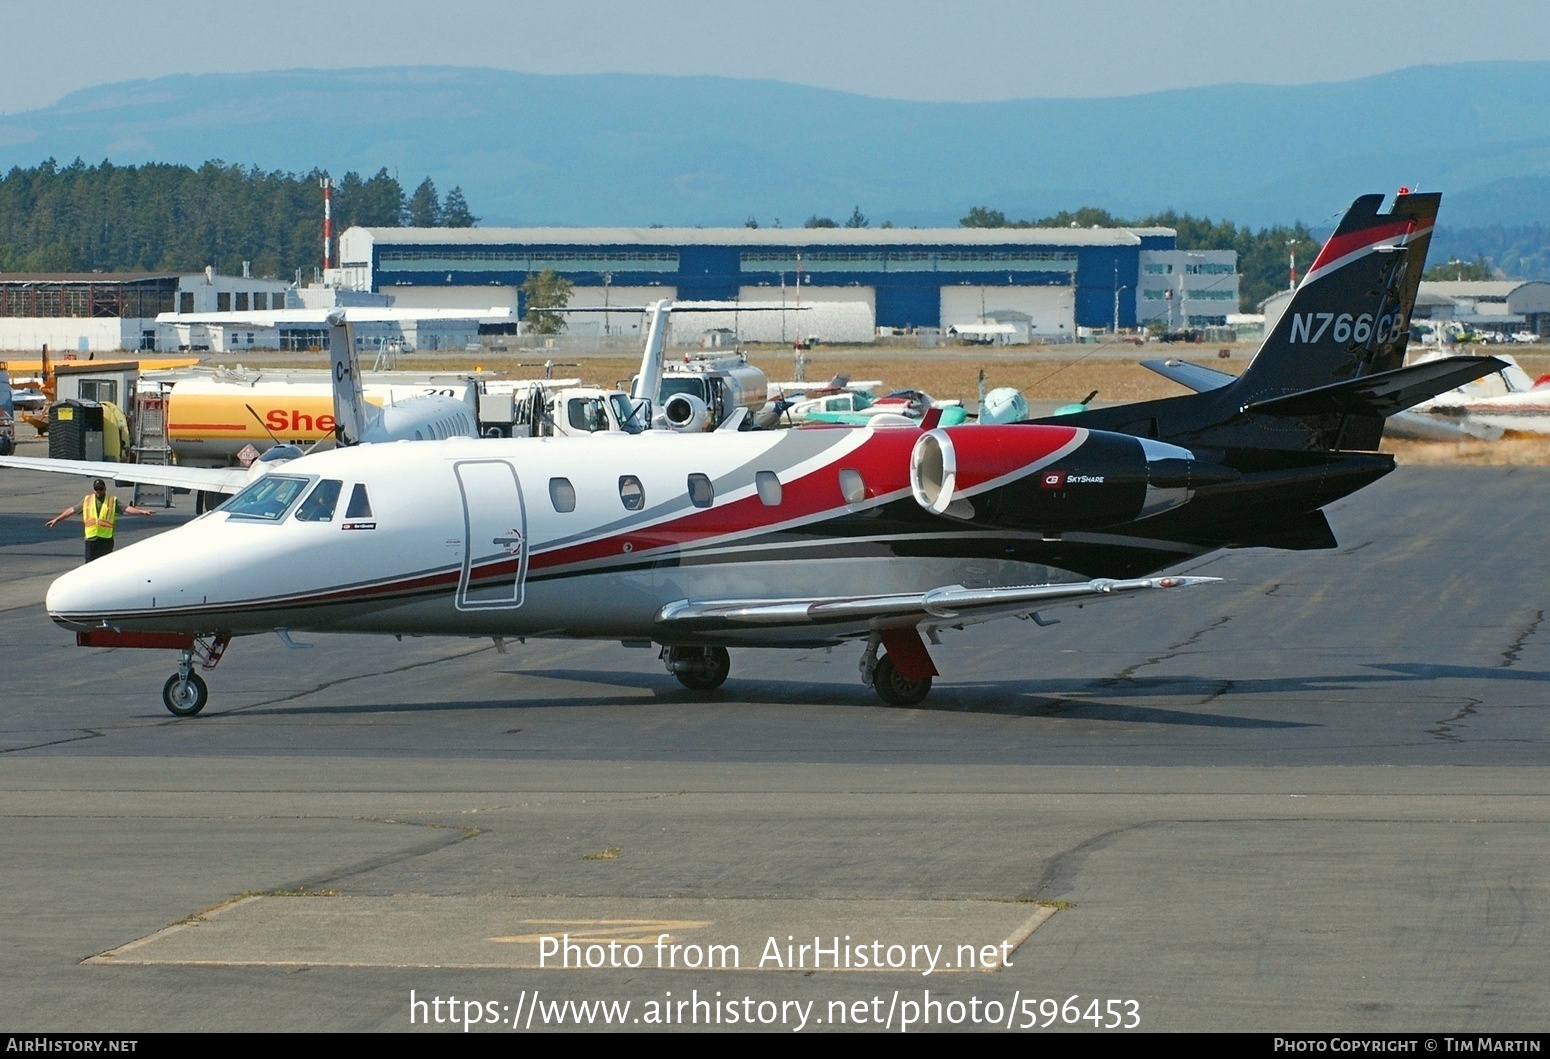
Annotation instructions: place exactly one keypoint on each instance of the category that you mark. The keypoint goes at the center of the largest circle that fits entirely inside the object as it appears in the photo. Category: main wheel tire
(185, 698)
(895, 688)
(707, 669)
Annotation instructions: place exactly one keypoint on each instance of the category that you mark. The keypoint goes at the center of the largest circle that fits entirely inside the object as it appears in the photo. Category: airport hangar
(854, 282)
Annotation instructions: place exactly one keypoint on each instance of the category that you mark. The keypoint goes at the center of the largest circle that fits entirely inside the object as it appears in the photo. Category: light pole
(1291, 246)
(608, 278)
(1117, 289)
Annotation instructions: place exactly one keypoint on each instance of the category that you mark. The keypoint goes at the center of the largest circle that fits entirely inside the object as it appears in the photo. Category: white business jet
(881, 536)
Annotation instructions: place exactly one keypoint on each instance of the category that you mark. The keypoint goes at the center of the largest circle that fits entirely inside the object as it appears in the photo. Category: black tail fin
(1348, 319)
(1350, 315)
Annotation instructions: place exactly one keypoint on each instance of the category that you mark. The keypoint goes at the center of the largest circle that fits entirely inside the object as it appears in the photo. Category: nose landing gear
(186, 692)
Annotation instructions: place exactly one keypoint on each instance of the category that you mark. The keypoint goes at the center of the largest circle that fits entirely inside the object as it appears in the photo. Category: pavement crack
(1510, 655)
(1061, 869)
(87, 733)
(1193, 638)
(444, 837)
(325, 685)
(1446, 729)
(1222, 688)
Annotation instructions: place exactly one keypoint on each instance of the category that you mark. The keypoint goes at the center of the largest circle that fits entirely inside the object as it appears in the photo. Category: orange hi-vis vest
(99, 518)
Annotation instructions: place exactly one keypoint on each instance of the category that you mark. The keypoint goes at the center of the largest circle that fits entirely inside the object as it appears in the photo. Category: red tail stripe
(1341, 245)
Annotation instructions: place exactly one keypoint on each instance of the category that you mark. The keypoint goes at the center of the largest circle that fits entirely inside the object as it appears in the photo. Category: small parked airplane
(882, 536)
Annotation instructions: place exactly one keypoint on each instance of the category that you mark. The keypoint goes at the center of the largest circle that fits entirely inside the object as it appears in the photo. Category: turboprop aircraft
(421, 417)
(879, 536)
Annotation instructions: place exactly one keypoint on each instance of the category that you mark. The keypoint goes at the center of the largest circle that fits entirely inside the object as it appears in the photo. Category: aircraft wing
(949, 605)
(209, 479)
(1197, 377)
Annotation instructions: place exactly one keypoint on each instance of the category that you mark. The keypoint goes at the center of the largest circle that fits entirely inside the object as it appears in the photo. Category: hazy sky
(907, 49)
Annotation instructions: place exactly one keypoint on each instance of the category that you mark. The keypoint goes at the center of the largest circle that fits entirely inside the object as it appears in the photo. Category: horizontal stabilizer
(952, 603)
(1381, 394)
(1196, 377)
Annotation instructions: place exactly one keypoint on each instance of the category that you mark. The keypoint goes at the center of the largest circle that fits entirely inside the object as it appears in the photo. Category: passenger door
(494, 535)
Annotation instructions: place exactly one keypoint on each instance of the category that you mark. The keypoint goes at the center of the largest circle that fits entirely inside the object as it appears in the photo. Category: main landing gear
(902, 677)
(698, 668)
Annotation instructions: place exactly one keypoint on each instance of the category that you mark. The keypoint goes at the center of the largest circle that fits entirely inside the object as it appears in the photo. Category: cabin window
(320, 503)
(631, 493)
(769, 488)
(562, 494)
(268, 498)
(242, 301)
(851, 486)
(701, 492)
(360, 503)
(260, 300)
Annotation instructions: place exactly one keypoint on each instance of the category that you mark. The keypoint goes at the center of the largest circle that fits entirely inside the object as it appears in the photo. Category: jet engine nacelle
(1050, 478)
(685, 413)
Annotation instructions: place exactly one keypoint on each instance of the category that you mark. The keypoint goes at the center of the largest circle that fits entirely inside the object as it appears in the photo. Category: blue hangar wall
(907, 268)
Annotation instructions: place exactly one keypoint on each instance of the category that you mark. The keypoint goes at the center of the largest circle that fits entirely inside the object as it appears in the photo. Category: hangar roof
(838, 237)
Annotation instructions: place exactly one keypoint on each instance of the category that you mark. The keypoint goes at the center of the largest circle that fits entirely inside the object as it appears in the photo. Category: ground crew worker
(99, 511)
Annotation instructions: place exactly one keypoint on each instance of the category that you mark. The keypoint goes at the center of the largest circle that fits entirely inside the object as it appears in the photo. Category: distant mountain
(635, 150)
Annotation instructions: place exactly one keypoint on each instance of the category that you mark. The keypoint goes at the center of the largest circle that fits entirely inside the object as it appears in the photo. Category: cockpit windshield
(268, 498)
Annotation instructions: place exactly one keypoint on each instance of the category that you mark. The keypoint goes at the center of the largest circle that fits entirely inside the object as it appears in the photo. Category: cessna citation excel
(883, 536)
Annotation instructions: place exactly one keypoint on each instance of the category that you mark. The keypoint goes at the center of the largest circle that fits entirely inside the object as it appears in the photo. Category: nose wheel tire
(185, 696)
(895, 688)
(701, 668)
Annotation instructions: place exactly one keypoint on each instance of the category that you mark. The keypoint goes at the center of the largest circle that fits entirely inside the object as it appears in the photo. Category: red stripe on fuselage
(882, 460)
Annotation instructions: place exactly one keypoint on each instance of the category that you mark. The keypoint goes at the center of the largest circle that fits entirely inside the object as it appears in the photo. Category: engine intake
(1047, 478)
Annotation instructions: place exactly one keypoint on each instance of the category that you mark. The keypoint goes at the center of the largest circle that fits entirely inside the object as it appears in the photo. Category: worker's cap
(97, 485)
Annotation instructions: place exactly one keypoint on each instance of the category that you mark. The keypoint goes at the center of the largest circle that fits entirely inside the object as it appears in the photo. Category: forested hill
(157, 217)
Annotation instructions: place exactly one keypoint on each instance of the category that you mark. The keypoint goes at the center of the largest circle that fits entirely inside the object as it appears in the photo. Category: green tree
(455, 213)
(857, 219)
(425, 206)
(1455, 269)
(383, 203)
(982, 217)
(1262, 255)
(546, 290)
(160, 217)
(816, 221)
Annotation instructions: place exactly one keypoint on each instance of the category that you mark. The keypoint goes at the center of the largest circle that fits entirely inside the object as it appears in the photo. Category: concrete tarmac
(1311, 798)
